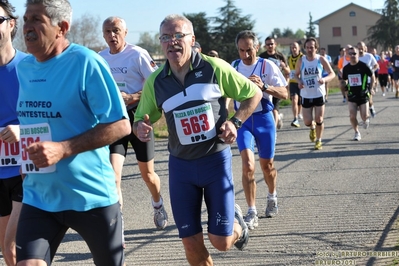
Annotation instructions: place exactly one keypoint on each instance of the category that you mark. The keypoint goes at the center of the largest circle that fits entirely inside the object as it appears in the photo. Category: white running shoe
(366, 123)
(280, 120)
(357, 136)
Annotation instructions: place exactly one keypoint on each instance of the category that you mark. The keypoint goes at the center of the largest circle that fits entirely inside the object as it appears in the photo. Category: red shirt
(383, 63)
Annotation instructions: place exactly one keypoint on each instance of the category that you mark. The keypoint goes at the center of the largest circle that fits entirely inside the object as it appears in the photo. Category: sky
(145, 16)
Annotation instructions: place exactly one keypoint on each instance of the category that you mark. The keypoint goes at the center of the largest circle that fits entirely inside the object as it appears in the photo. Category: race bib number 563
(195, 125)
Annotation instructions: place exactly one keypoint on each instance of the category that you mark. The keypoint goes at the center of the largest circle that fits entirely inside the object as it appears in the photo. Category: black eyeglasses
(177, 36)
(2, 19)
(352, 54)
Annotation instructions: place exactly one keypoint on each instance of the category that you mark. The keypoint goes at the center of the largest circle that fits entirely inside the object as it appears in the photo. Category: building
(347, 25)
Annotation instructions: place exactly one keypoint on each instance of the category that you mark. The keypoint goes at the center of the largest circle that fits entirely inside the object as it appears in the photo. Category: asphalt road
(340, 203)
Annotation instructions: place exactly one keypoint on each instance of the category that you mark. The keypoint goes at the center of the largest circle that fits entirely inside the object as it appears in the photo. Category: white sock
(157, 204)
(272, 196)
(252, 209)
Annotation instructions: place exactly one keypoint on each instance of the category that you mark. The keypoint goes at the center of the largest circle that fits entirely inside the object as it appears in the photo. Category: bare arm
(328, 69)
(229, 132)
(298, 73)
(47, 153)
(130, 98)
(278, 92)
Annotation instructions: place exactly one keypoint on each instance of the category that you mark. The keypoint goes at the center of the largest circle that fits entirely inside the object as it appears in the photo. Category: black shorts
(395, 75)
(39, 233)
(10, 190)
(294, 89)
(383, 79)
(144, 150)
(276, 103)
(309, 103)
(359, 100)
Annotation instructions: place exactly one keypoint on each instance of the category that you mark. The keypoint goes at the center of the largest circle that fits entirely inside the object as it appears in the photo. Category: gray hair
(247, 34)
(111, 19)
(176, 17)
(57, 10)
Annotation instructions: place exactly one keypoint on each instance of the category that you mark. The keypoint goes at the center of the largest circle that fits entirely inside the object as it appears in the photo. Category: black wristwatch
(265, 87)
(237, 122)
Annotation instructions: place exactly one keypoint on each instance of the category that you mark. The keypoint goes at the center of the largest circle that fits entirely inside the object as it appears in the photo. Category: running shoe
(243, 240)
(312, 134)
(372, 111)
(251, 219)
(366, 123)
(357, 136)
(317, 145)
(295, 123)
(280, 121)
(344, 100)
(397, 94)
(272, 208)
(383, 94)
(160, 218)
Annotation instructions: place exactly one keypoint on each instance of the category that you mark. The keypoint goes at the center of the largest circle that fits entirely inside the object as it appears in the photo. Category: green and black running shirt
(195, 110)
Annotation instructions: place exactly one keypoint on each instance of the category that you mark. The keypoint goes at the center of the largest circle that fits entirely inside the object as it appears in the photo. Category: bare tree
(86, 31)
(18, 41)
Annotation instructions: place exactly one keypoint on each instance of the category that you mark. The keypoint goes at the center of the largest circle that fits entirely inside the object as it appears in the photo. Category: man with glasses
(372, 63)
(278, 58)
(190, 89)
(354, 78)
(10, 178)
(130, 66)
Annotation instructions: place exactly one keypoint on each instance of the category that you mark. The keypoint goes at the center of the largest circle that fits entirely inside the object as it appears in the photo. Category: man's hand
(44, 154)
(257, 80)
(130, 98)
(143, 129)
(229, 132)
(10, 134)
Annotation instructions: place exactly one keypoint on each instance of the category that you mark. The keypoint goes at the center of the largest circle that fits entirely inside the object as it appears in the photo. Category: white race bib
(30, 134)
(292, 74)
(355, 80)
(195, 125)
(310, 82)
(10, 154)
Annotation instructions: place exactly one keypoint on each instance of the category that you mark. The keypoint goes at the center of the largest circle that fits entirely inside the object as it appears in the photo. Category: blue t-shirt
(9, 87)
(72, 92)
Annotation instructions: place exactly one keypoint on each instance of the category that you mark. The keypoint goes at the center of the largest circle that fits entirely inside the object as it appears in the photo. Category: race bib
(195, 125)
(310, 82)
(292, 74)
(355, 80)
(122, 85)
(396, 63)
(30, 134)
(10, 154)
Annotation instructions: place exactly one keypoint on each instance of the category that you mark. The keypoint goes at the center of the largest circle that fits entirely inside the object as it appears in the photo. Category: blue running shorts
(258, 129)
(191, 180)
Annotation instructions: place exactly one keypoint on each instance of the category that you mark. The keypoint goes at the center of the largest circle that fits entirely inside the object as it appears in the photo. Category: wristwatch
(265, 87)
(237, 122)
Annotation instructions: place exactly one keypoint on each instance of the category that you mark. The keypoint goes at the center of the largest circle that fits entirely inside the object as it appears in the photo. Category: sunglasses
(352, 54)
(2, 19)
(269, 44)
(177, 36)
